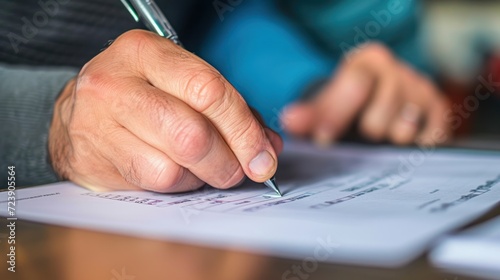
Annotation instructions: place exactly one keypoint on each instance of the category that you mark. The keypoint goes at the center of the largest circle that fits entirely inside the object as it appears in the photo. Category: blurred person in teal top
(278, 54)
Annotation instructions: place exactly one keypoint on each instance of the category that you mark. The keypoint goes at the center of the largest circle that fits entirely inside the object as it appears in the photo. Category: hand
(148, 114)
(390, 100)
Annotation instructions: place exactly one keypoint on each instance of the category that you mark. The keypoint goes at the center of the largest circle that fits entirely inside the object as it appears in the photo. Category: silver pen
(155, 20)
(152, 17)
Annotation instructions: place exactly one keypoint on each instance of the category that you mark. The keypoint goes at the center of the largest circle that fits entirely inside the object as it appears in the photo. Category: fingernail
(323, 136)
(262, 164)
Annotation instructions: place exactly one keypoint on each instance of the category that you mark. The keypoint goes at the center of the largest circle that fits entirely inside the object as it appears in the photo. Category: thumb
(298, 119)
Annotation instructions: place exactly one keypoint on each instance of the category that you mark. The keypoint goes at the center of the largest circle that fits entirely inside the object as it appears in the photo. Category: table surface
(53, 252)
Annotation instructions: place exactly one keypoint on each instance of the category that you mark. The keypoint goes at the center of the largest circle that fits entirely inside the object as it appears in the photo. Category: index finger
(199, 85)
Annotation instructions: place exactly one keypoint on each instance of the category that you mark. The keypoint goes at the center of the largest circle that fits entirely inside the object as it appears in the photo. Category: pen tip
(271, 183)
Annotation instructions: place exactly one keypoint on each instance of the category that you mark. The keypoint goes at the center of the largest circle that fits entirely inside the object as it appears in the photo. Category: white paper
(475, 252)
(351, 204)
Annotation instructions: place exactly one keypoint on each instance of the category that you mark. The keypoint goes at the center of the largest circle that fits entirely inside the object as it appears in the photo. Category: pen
(152, 17)
(155, 20)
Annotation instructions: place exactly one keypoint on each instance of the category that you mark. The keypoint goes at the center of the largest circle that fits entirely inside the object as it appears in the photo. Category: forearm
(27, 97)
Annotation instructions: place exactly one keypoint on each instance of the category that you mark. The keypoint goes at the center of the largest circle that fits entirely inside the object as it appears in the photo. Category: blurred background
(283, 48)
(463, 41)
(274, 51)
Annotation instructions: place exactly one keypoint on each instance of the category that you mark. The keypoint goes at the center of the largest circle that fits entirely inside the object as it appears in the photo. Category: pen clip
(131, 9)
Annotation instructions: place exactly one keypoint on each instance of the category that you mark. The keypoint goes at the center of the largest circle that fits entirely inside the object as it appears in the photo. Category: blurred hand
(390, 100)
(148, 114)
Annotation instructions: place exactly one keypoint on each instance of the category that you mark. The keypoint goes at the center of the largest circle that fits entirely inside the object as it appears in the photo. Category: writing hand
(148, 114)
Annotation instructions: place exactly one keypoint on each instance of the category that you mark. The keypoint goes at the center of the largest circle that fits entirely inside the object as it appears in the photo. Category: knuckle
(133, 39)
(205, 89)
(96, 83)
(92, 80)
(132, 48)
(378, 52)
(192, 140)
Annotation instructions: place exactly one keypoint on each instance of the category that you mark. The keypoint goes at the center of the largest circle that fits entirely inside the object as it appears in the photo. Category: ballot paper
(475, 252)
(376, 206)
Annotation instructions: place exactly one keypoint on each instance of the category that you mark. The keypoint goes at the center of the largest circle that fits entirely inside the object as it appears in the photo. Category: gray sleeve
(27, 97)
